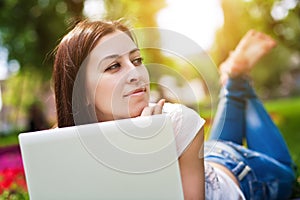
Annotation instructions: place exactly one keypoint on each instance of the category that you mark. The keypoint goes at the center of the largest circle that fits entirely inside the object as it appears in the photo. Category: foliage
(135, 11)
(29, 29)
(20, 92)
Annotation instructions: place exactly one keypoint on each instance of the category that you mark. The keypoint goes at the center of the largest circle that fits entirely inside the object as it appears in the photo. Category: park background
(30, 30)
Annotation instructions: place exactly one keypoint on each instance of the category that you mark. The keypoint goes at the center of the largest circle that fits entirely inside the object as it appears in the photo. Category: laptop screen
(123, 159)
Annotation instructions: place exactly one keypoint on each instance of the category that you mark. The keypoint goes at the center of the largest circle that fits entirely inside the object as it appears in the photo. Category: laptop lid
(124, 159)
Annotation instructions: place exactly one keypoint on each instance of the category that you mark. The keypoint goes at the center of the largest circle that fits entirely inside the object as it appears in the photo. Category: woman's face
(117, 80)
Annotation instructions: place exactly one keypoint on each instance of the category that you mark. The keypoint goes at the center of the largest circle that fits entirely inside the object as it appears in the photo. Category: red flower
(7, 179)
(11, 179)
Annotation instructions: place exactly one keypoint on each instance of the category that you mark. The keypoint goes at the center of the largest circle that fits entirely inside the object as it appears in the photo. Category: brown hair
(69, 56)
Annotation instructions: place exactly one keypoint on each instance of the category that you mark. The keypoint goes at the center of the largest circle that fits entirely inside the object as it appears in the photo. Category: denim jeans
(265, 168)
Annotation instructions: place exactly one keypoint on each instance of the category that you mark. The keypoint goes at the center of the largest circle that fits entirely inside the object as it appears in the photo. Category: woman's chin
(137, 110)
(136, 113)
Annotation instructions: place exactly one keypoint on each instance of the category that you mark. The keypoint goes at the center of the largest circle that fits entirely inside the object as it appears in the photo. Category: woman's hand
(154, 110)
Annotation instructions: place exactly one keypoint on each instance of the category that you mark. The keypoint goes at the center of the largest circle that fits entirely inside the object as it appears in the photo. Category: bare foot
(253, 46)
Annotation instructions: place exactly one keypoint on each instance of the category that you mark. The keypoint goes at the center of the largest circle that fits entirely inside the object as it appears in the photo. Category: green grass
(286, 114)
(9, 139)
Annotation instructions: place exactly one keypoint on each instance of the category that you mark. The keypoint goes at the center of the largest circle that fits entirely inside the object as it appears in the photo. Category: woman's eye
(137, 61)
(113, 67)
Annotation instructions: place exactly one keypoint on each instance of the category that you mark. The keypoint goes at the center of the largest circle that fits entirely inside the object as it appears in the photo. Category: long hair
(69, 56)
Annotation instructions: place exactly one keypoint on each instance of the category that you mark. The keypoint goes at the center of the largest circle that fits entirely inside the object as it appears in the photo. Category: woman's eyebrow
(134, 50)
(114, 56)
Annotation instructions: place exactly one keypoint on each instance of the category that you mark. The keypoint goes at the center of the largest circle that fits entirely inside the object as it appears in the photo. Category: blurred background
(31, 29)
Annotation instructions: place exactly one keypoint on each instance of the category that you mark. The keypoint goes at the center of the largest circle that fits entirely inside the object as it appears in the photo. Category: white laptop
(124, 159)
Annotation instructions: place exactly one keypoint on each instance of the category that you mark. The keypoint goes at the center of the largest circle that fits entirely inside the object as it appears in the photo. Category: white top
(219, 186)
(186, 125)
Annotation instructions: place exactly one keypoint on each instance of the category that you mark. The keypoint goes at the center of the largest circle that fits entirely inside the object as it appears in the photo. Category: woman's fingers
(147, 111)
(158, 107)
(161, 102)
(154, 110)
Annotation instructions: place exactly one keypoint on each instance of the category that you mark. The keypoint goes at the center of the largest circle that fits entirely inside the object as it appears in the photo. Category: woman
(99, 76)
(264, 170)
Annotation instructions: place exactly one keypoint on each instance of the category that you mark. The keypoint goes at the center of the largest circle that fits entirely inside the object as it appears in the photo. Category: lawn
(286, 114)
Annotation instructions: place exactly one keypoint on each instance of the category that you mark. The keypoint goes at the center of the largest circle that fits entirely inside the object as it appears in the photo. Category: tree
(30, 29)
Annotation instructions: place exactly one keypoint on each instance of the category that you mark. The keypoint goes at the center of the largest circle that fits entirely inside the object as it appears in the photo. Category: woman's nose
(133, 73)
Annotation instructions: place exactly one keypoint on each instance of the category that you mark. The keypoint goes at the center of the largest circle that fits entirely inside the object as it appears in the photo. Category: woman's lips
(136, 92)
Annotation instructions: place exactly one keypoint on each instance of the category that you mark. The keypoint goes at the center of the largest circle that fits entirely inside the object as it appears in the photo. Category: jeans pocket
(263, 190)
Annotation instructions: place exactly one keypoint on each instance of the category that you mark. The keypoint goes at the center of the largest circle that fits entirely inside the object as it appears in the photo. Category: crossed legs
(240, 113)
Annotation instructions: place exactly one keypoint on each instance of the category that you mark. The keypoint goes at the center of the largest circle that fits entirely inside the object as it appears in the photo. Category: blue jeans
(265, 168)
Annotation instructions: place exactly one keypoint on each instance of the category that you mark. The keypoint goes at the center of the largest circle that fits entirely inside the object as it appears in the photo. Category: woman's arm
(191, 165)
(191, 161)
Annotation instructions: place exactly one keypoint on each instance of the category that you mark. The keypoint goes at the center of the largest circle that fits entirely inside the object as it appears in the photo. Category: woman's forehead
(116, 43)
